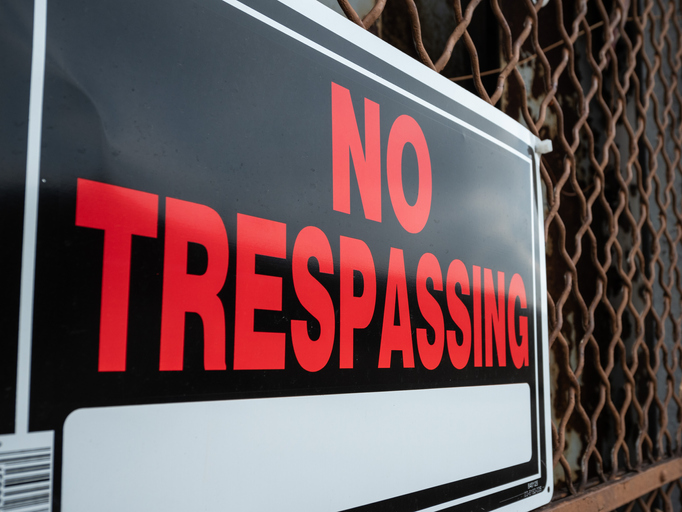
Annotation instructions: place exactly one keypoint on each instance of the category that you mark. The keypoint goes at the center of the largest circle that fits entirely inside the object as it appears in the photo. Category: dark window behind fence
(600, 79)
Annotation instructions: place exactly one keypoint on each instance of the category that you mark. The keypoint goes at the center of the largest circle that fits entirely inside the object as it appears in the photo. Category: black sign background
(16, 24)
(200, 102)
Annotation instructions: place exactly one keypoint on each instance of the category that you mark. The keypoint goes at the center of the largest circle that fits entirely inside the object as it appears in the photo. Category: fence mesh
(666, 497)
(600, 78)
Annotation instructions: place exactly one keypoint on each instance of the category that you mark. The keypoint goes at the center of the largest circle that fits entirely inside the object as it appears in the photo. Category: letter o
(413, 218)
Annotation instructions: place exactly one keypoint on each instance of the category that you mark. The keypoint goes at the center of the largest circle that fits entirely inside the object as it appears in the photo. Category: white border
(520, 131)
(28, 248)
(255, 444)
(327, 18)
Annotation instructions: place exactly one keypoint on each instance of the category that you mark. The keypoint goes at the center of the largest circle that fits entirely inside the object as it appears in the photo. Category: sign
(257, 259)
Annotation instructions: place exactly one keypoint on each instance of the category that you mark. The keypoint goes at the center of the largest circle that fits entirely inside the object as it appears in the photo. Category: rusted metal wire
(602, 79)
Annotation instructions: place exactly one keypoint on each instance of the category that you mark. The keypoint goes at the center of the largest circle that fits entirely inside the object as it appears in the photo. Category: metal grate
(601, 79)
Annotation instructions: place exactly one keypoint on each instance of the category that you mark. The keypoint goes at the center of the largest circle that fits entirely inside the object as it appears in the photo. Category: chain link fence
(600, 78)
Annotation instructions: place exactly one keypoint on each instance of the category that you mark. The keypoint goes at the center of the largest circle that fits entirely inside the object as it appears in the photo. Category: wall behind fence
(601, 79)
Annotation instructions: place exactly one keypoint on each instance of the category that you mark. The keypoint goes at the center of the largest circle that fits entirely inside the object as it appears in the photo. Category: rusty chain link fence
(601, 79)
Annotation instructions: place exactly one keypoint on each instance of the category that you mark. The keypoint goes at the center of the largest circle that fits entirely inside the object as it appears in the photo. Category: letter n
(346, 143)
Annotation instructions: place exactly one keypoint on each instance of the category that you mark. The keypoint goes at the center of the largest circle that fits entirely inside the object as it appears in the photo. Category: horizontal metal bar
(616, 493)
